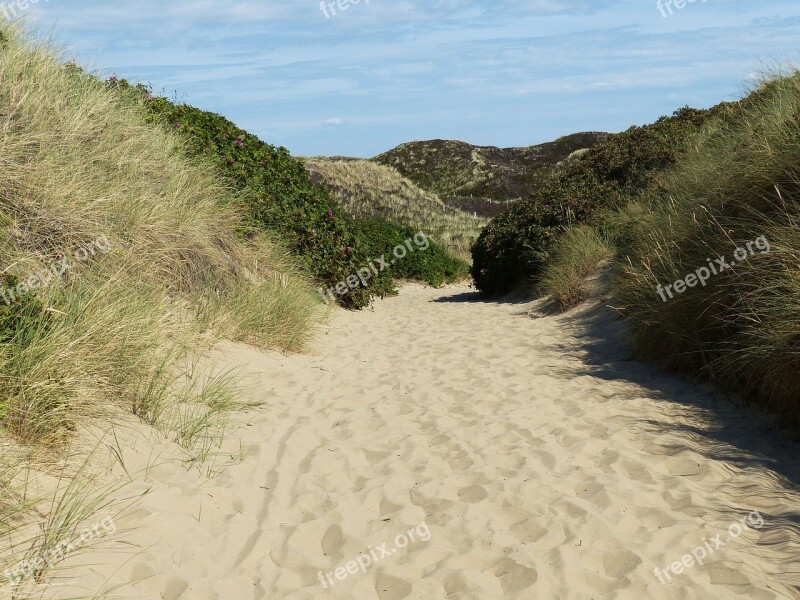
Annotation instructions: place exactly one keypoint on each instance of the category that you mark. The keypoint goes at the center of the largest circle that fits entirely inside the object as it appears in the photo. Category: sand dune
(537, 461)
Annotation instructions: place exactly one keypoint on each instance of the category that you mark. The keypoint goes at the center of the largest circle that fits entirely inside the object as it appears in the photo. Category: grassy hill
(731, 206)
(134, 234)
(277, 196)
(368, 189)
(699, 213)
(120, 256)
(480, 179)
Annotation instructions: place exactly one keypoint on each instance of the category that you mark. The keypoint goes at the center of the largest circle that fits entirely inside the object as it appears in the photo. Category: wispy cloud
(504, 72)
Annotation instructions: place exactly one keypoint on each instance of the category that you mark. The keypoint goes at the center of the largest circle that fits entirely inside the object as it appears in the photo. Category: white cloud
(397, 68)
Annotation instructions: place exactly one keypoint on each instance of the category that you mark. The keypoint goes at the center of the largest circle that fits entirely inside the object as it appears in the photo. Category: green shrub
(514, 247)
(425, 261)
(276, 192)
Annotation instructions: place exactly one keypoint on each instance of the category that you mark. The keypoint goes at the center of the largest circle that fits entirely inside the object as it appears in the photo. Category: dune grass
(578, 254)
(51, 511)
(701, 189)
(80, 163)
(740, 183)
(118, 326)
(14, 505)
(731, 198)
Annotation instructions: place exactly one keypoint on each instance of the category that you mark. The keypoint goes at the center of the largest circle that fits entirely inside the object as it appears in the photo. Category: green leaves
(277, 195)
(515, 246)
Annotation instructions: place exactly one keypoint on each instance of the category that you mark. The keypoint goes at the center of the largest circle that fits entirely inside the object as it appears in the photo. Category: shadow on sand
(728, 432)
(716, 427)
(480, 298)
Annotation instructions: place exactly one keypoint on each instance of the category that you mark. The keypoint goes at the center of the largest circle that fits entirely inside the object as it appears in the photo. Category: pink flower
(239, 143)
(148, 98)
(330, 214)
(113, 78)
(349, 248)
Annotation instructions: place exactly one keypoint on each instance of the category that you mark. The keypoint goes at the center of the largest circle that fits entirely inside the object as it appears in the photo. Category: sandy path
(541, 463)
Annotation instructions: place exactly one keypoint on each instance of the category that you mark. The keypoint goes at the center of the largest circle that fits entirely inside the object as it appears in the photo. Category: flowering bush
(277, 194)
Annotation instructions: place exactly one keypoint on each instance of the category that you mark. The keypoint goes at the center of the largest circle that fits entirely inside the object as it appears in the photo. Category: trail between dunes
(544, 464)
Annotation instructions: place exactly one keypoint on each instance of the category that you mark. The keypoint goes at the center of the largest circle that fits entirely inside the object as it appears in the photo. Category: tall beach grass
(79, 162)
(119, 330)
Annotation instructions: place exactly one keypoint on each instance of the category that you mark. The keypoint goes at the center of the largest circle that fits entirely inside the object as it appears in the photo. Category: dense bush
(278, 195)
(425, 261)
(514, 247)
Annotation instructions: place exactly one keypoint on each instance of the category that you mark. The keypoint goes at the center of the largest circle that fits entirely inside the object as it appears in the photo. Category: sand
(527, 455)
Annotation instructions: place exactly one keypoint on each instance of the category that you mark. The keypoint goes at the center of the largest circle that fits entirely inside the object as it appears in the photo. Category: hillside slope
(149, 237)
(702, 210)
(710, 276)
(513, 248)
(275, 193)
(369, 189)
(482, 179)
(120, 264)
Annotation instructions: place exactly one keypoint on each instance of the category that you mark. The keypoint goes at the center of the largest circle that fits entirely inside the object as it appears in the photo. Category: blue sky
(504, 73)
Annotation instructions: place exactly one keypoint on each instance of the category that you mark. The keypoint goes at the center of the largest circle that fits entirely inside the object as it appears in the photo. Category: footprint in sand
(619, 563)
(332, 541)
(472, 494)
(174, 588)
(375, 456)
(388, 507)
(513, 576)
(391, 588)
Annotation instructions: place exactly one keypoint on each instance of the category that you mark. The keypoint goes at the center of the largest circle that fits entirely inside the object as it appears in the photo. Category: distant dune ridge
(447, 187)
(481, 178)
